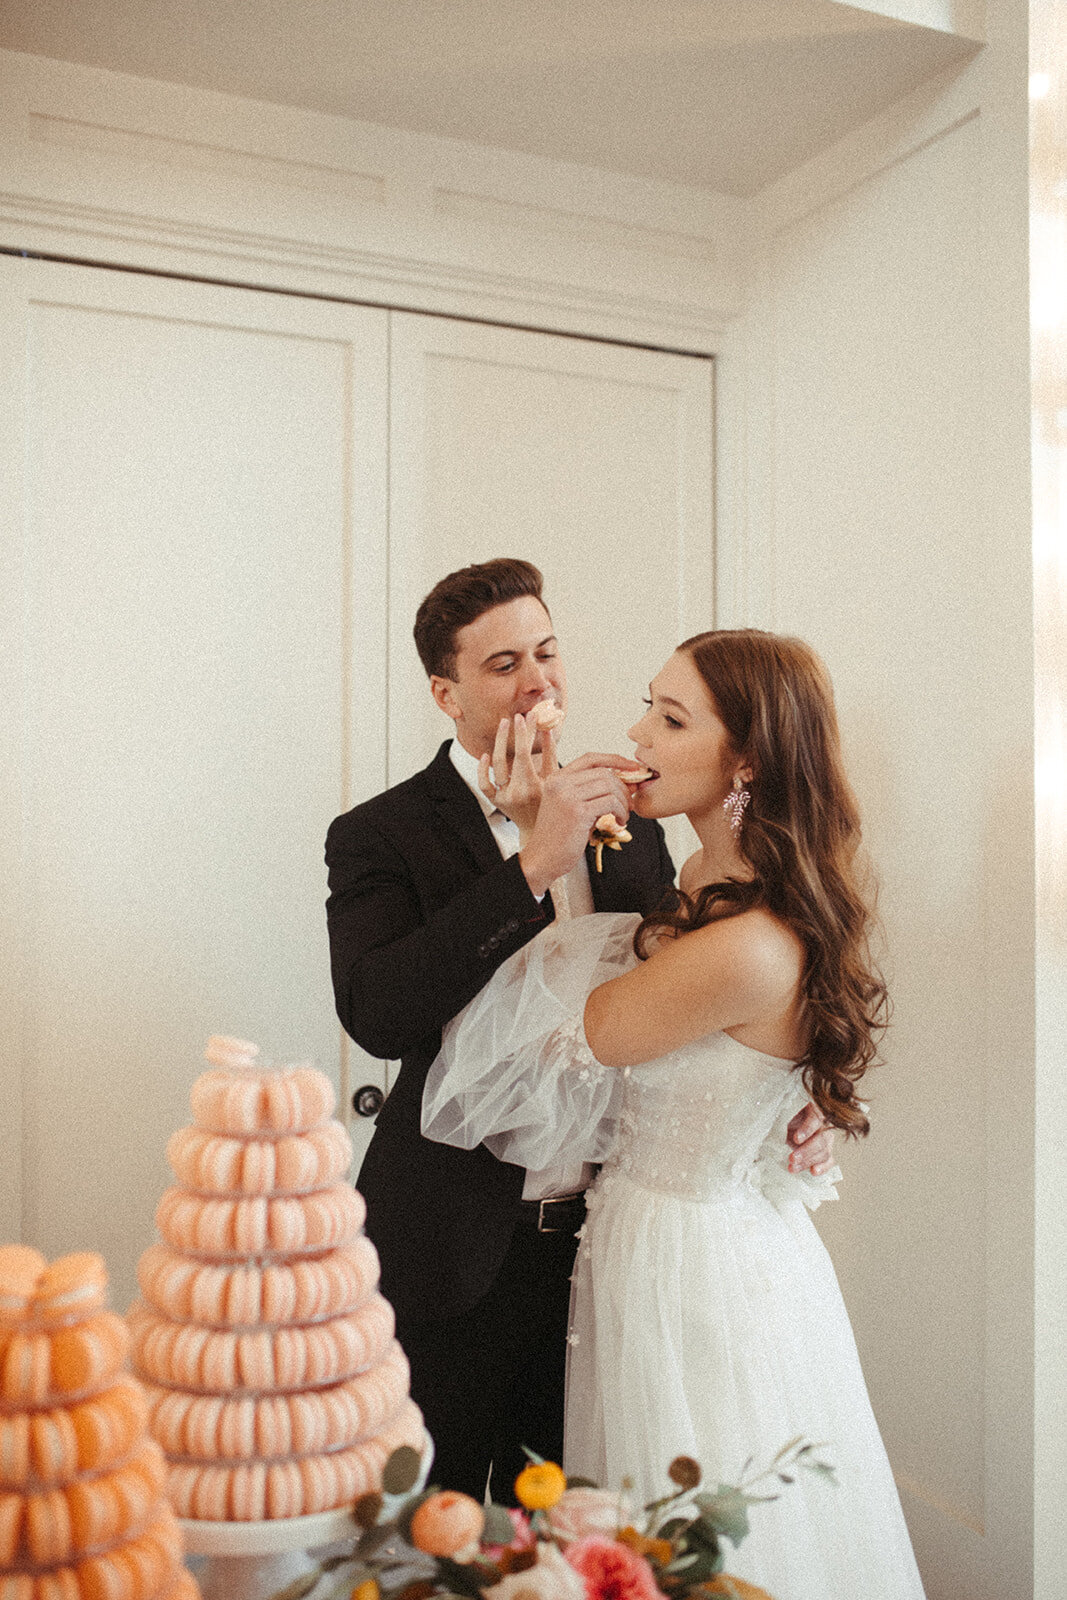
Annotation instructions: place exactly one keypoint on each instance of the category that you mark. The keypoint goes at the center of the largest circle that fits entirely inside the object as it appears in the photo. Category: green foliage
(498, 1528)
(727, 1511)
(402, 1470)
(682, 1541)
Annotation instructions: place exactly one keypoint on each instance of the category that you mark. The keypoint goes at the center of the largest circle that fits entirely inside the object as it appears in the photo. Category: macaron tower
(275, 1384)
(83, 1507)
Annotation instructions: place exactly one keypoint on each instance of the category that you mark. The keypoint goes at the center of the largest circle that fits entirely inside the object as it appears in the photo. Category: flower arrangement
(570, 1541)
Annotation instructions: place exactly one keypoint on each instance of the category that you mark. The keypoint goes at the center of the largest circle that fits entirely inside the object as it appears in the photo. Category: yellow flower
(367, 1590)
(540, 1485)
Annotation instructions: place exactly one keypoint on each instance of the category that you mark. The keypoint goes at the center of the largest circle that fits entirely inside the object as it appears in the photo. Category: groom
(429, 893)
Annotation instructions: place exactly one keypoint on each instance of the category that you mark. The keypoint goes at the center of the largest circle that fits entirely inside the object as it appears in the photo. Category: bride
(706, 1318)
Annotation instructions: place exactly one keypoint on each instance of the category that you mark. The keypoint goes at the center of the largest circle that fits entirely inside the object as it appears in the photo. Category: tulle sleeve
(515, 1071)
(782, 1187)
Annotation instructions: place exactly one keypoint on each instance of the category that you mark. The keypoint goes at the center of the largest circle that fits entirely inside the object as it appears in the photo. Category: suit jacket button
(512, 926)
(482, 950)
(492, 941)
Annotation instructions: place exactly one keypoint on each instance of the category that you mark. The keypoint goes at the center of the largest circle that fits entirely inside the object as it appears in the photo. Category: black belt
(562, 1214)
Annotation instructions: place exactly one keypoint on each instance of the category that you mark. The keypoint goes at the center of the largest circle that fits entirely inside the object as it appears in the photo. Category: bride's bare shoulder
(759, 944)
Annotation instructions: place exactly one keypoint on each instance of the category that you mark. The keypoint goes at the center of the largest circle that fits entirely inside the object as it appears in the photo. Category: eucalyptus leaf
(673, 1527)
(531, 1455)
(374, 1540)
(466, 1581)
(402, 1470)
(726, 1512)
(698, 1566)
(824, 1469)
(499, 1528)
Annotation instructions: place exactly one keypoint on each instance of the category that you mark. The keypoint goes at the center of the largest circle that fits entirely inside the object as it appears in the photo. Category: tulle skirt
(716, 1329)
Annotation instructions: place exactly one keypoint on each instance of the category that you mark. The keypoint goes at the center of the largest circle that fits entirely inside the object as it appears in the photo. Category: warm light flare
(1048, 270)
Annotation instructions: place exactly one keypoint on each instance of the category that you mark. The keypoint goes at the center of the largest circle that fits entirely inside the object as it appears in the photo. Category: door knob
(368, 1101)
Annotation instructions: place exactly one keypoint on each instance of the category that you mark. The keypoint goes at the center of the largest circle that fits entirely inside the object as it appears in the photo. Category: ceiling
(723, 94)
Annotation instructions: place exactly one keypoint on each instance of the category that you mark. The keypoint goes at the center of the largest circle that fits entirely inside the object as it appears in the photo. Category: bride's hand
(813, 1142)
(516, 789)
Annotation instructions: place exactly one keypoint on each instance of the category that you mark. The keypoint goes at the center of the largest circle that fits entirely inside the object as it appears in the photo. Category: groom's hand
(812, 1141)
(514, 783)
(571, 801)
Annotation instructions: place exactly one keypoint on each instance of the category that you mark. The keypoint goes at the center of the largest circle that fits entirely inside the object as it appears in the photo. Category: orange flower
(540, 1485)
(659, 1549)
(734, 1588)
(446, 1523)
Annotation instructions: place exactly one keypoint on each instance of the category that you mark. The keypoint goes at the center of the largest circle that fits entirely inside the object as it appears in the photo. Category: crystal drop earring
(735, 803)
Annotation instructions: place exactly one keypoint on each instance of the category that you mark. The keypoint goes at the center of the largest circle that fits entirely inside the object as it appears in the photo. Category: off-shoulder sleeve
(515, 1071)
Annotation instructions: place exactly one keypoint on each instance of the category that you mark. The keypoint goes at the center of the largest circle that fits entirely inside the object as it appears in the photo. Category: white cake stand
(253, 1560)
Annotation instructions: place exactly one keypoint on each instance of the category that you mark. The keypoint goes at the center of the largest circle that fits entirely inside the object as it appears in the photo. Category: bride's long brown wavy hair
(800, 835)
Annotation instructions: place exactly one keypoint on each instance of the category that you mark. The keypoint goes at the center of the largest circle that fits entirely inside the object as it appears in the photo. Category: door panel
(591, 460)
(202, 499)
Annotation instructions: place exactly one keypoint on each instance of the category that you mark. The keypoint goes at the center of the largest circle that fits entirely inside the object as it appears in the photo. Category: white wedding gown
(706, 1318)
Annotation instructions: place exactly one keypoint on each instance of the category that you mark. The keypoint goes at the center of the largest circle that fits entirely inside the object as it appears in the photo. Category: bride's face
(685, 742)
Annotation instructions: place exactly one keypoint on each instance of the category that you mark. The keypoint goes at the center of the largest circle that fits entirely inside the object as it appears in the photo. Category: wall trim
(124, 170)
(112, 238)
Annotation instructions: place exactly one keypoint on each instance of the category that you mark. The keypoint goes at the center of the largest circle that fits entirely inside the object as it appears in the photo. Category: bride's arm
(740, 970)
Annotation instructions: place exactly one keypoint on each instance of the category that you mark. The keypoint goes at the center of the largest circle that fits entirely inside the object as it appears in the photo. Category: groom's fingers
(523, 754)
(500, 753)
(594, 786)
(485, 782)
(604, 758)
(549, 758)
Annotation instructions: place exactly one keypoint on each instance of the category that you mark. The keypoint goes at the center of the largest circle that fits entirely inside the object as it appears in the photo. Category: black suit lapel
(459, 811)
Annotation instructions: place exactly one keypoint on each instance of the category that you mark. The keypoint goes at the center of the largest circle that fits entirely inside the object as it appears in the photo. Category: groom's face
(506, 661)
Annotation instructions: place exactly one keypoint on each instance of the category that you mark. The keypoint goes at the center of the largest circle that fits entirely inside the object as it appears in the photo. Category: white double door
(218, 510)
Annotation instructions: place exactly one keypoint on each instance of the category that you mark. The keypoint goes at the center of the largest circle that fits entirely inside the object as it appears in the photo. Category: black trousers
(491, 1380)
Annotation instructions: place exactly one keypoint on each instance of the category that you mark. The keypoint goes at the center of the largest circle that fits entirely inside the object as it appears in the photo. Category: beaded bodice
(692, 1123)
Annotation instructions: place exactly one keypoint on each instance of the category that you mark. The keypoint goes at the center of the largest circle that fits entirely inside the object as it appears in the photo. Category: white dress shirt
(563, 1177)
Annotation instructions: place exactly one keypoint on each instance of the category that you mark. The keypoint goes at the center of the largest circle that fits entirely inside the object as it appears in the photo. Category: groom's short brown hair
(461, 598)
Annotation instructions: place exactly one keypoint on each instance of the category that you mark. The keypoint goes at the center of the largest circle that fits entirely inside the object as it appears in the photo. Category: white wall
(876, 483)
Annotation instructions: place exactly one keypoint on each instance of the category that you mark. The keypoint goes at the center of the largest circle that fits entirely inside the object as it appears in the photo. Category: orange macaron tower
(275, 1383)
(83, 1508)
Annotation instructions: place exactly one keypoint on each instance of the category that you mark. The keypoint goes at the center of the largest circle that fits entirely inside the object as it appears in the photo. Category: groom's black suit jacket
(422, 910)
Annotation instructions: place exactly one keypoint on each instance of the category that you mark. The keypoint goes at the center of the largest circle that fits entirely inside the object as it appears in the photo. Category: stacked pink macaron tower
(83, 1507)
(276, 1386)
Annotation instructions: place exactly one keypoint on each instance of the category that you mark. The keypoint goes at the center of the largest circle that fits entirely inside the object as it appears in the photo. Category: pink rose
(580, 1512)
(550, 1579)
(611, 1570)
